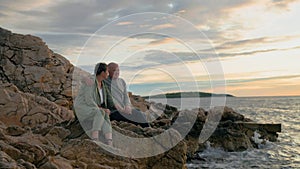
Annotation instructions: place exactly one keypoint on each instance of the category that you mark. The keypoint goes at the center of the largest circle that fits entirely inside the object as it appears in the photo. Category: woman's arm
(89, 95)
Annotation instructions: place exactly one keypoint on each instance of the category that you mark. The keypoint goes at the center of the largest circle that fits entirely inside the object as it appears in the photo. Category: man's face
(114, 72)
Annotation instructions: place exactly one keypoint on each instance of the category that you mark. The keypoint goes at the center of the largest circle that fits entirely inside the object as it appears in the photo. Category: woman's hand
(106, 111)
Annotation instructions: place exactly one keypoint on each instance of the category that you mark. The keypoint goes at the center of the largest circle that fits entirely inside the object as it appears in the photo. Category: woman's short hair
(100, 67)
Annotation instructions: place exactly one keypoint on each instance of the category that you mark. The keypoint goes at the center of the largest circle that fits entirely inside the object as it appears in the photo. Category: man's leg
(116, 115)
(137, 117)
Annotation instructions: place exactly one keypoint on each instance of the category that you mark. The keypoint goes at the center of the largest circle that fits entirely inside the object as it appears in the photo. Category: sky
(239, 47)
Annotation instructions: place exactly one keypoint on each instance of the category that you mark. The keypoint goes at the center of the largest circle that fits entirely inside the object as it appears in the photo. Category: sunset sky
(241, 47)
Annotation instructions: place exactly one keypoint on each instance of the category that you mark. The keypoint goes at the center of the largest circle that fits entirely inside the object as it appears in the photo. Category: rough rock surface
(37, 124)
(38, 128)
(26, 109)
(29, 64)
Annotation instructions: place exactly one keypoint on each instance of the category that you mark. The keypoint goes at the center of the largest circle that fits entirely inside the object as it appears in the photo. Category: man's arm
(127, 103)
(110, 102)
(125, 94)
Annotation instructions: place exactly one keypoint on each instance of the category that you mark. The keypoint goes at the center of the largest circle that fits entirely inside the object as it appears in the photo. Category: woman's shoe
(95, 139)
(109, 142)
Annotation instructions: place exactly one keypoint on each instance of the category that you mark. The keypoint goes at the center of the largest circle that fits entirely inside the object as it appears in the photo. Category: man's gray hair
(111, 64)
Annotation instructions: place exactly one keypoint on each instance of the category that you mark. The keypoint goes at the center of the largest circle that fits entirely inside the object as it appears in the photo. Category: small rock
(15, 130)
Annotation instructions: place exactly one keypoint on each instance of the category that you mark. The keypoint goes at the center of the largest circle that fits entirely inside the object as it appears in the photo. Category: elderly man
(118, 88)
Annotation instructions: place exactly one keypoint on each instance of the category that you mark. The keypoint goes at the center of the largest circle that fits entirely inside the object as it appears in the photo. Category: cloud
(281, 4)
(124, 23)
(225, 55)
(29, 5)
(238, 82)
(134, 68)
(254, 42)
(2, 15)
(3, 9)
(162, 57)
(150, 87)
(269, 86)
(166, 40)
(33, 13)
(163, 26)
(88, 68)
(89, 16)
(159, 57)
(66, 39)
(242, 43)
(84, 16)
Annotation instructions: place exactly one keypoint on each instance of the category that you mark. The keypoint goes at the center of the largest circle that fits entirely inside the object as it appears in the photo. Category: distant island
(188, 95)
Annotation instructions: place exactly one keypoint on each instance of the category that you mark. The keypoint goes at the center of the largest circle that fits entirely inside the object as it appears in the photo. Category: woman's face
(104, 74)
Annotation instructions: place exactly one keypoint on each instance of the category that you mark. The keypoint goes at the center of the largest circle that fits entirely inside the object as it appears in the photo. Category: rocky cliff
(38, 128)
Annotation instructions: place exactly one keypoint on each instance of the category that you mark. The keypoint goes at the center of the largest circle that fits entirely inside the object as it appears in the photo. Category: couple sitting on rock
(103, 98)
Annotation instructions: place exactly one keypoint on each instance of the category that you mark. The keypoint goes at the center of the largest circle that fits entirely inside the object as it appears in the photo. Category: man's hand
(119, 108)
(128, 110)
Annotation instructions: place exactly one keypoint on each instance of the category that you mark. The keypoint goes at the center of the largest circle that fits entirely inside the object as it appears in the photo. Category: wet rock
(230, 114)
(230, 140)
(171, 159)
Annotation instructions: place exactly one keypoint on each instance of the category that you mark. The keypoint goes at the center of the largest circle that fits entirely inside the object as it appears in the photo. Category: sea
(283, 154)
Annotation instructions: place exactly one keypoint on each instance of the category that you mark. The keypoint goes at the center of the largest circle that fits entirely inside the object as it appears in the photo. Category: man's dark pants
(136, 117)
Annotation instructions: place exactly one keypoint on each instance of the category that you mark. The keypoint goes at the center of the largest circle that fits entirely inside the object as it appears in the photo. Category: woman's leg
(108, 137)
(107, 130)
(95, 135)
(97, 126)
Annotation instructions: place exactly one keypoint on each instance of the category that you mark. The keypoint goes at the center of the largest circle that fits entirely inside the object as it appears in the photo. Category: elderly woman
(92, 104)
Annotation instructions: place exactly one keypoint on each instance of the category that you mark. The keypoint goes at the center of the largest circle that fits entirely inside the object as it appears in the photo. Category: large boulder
(28, 63)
